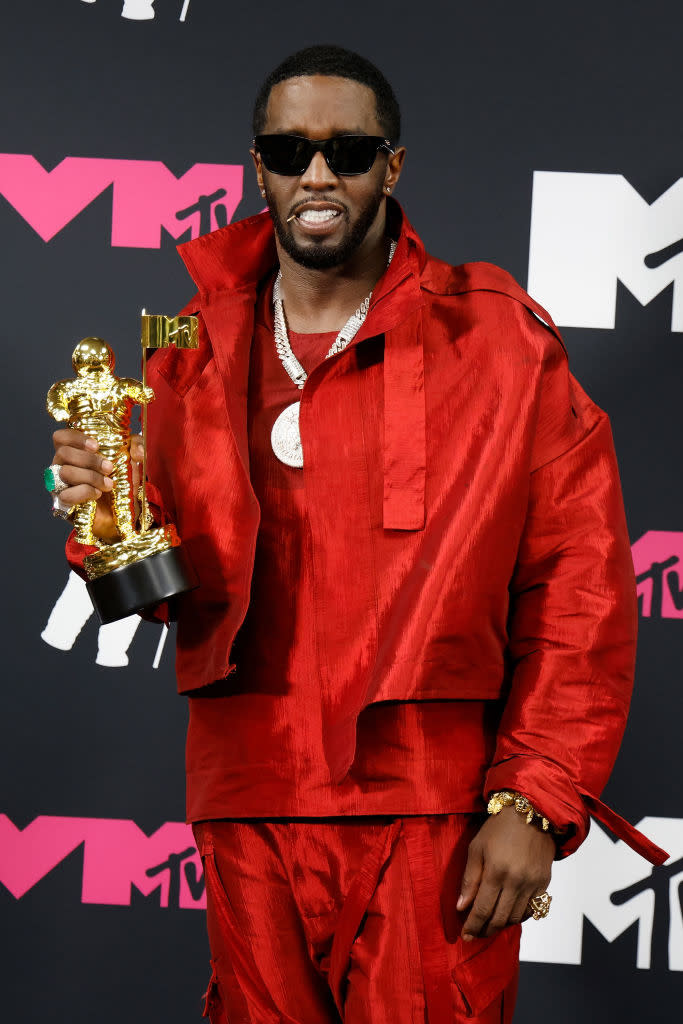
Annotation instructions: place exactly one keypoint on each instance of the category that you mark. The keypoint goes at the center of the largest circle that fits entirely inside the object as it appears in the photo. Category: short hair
(334, 61)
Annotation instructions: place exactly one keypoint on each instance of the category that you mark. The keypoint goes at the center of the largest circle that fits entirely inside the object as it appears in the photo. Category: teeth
(317, 216)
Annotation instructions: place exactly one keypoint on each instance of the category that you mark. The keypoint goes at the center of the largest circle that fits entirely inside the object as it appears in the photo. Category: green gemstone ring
(52, 480)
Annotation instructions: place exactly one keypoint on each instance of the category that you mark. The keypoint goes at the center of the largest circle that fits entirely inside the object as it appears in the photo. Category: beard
(323, 257)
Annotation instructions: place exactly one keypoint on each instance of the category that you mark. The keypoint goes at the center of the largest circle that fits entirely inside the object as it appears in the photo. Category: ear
(394, 168)
(258, 164)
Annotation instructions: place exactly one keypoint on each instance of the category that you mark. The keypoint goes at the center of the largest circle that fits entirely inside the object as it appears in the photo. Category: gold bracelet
(507, 798)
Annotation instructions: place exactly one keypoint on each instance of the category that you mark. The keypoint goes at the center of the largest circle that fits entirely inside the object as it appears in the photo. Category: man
(416, 585)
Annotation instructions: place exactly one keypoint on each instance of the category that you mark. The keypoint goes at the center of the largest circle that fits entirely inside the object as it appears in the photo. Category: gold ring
(539, 906)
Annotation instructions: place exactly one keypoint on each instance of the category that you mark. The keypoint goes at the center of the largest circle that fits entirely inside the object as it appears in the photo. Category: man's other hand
(508, 863)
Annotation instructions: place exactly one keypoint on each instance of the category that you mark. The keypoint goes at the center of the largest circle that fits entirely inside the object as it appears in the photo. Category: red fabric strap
(625, 831)
(356, 903)
(405, 459)
(435, 969)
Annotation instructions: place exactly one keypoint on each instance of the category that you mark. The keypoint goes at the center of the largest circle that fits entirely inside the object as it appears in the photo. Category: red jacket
(469, 538)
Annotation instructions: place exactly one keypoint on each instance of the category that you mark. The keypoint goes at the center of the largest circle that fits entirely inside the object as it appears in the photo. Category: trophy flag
(160, 331)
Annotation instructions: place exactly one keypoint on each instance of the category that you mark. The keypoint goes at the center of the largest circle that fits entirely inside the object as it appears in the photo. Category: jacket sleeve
(572, 623)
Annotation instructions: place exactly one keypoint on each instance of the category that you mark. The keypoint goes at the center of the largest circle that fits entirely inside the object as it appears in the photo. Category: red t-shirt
(255, 742)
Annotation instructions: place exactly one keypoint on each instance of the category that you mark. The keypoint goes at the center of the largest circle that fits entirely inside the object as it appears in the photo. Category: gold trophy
(147, 564)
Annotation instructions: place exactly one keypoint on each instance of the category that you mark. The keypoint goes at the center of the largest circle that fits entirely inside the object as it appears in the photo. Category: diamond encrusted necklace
(285, 437)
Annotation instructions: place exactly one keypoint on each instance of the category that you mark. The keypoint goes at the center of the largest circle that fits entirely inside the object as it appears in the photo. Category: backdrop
(545, 138)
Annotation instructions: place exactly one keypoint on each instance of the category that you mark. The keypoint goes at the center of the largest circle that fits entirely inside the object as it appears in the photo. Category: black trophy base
(143, 584)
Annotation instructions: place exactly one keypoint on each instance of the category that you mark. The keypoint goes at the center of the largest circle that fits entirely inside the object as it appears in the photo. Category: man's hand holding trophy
(95, 472)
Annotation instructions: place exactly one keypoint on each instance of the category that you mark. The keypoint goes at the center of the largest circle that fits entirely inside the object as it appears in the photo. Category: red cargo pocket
(213, 1005)
(486, 968)
(243, 993)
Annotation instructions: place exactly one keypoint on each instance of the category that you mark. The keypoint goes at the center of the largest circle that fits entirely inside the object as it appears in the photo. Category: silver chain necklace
(285, 437)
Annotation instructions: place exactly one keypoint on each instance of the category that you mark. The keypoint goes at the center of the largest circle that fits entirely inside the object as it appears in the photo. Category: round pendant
(286, 439)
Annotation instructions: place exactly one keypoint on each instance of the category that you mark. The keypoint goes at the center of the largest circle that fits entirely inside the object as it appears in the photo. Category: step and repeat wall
(544, 138)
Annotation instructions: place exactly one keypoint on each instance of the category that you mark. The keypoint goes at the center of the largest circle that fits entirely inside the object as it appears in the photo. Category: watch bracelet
(523, 807)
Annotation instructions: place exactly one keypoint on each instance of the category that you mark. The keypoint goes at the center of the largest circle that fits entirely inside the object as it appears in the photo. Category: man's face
(332, 214)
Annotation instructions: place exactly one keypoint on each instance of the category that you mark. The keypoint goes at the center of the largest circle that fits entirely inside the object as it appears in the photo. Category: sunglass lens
(352, 154)
(285, 154)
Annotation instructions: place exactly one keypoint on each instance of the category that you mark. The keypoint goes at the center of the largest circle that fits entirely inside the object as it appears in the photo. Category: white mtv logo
(142, 10)
(612, 887)
(590, 230)
(72, 611)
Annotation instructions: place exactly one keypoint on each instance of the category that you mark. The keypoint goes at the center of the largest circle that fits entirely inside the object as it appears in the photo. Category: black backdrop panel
(545, 138)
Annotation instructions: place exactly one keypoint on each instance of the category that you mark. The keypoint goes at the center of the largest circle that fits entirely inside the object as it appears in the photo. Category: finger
(511, 907)
(500, 916)
(74, 476)
(471, 878)
(74, 438)
(77, 495)
(69, 456)
(137, 448)
(520, 912)
(482, 909)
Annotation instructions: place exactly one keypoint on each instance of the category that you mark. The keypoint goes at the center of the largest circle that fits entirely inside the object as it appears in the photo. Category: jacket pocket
(486, 968)
(213, 1004)
(237, 992)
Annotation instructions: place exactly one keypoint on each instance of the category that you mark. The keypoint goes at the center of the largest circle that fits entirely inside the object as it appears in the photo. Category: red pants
(348, 919)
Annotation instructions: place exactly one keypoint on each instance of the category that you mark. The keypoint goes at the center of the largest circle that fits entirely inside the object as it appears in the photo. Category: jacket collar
(239, 256)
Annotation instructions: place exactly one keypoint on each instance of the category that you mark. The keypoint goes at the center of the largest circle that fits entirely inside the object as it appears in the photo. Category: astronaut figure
(100, 404)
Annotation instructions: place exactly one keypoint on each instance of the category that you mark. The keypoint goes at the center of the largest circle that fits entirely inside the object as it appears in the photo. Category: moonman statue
(417, 599)
(99, 405)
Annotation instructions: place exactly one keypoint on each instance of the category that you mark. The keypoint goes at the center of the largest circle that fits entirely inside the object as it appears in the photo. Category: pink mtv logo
(146, 196)
(116, 856)
(658, 562)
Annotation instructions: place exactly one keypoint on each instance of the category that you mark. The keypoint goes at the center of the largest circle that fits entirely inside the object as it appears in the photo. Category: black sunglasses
(344, 154)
